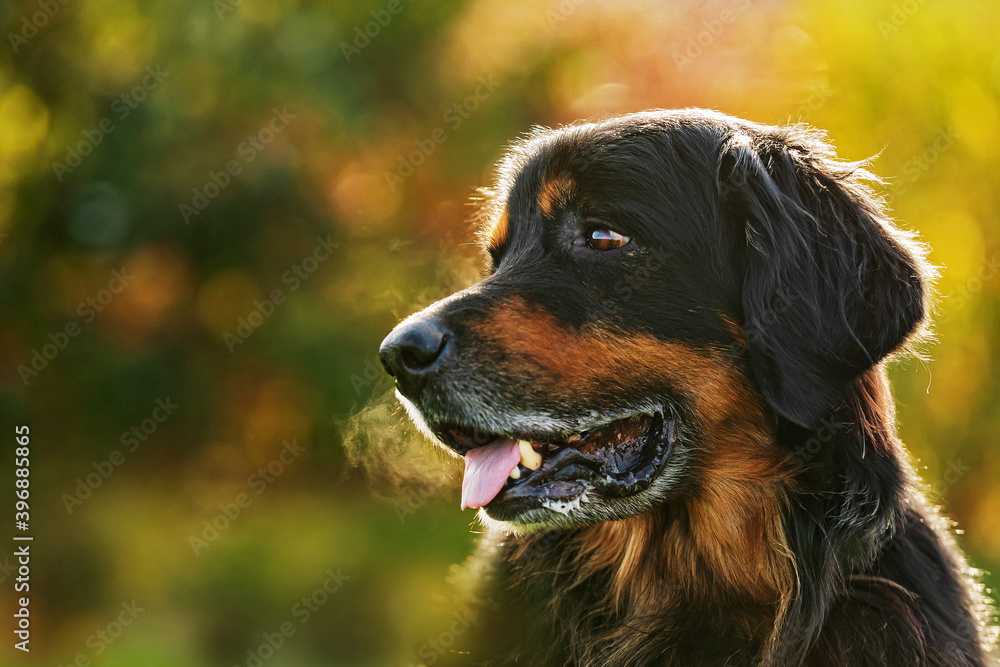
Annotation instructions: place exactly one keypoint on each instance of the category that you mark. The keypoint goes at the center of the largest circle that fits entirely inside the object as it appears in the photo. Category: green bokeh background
(915, 82)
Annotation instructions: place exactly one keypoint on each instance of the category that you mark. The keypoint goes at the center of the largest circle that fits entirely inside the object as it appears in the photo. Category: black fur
(733, 224)
(818, 245)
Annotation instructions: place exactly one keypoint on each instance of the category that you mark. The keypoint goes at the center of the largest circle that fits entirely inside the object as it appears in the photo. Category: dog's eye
(603, 238)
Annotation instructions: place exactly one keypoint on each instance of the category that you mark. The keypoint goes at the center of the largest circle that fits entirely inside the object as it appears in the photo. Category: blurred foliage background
(278, 182)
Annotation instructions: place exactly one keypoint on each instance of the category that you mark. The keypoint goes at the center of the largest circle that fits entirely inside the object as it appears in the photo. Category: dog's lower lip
(617, 459)
(619, 467)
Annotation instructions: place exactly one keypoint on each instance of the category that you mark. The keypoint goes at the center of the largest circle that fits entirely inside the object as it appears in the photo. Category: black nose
(411, 351)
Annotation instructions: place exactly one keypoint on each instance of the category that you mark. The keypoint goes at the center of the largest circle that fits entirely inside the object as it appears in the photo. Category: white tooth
(515, 473)
(529, 457)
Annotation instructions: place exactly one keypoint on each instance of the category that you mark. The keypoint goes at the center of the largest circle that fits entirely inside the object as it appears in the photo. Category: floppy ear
(830, 286)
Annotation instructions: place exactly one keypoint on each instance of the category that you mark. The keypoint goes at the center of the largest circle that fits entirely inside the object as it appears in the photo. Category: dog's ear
(830, 286)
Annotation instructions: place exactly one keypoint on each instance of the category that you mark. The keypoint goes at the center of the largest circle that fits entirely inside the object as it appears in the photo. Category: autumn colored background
(276, 183)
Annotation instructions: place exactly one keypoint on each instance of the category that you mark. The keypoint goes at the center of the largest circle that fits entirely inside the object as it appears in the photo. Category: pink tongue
(486, 470)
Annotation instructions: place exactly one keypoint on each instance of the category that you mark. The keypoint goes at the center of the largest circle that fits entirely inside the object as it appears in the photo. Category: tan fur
(578, 362)
(735, 330)
(555, 192)
(497, 230)
(733, 536)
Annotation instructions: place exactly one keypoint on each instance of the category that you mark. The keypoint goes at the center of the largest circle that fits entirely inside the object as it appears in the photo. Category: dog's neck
(721, 555)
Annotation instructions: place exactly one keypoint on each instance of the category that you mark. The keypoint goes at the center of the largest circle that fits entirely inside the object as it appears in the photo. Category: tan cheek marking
(735, 511)
(595, 360)
(555, 192)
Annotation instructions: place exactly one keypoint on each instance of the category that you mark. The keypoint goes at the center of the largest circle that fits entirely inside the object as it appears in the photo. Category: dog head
(664, 289)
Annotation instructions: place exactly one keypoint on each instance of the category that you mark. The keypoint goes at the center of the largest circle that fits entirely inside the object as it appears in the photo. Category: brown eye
(603, 238)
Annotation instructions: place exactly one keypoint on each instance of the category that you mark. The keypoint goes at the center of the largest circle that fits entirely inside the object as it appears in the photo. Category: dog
(670, 394)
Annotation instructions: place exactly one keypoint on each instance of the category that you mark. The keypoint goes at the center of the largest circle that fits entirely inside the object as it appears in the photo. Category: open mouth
(520, 471)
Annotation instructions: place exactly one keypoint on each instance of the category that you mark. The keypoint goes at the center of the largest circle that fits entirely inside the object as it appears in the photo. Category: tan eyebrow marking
(497, 232)
(555, 192)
